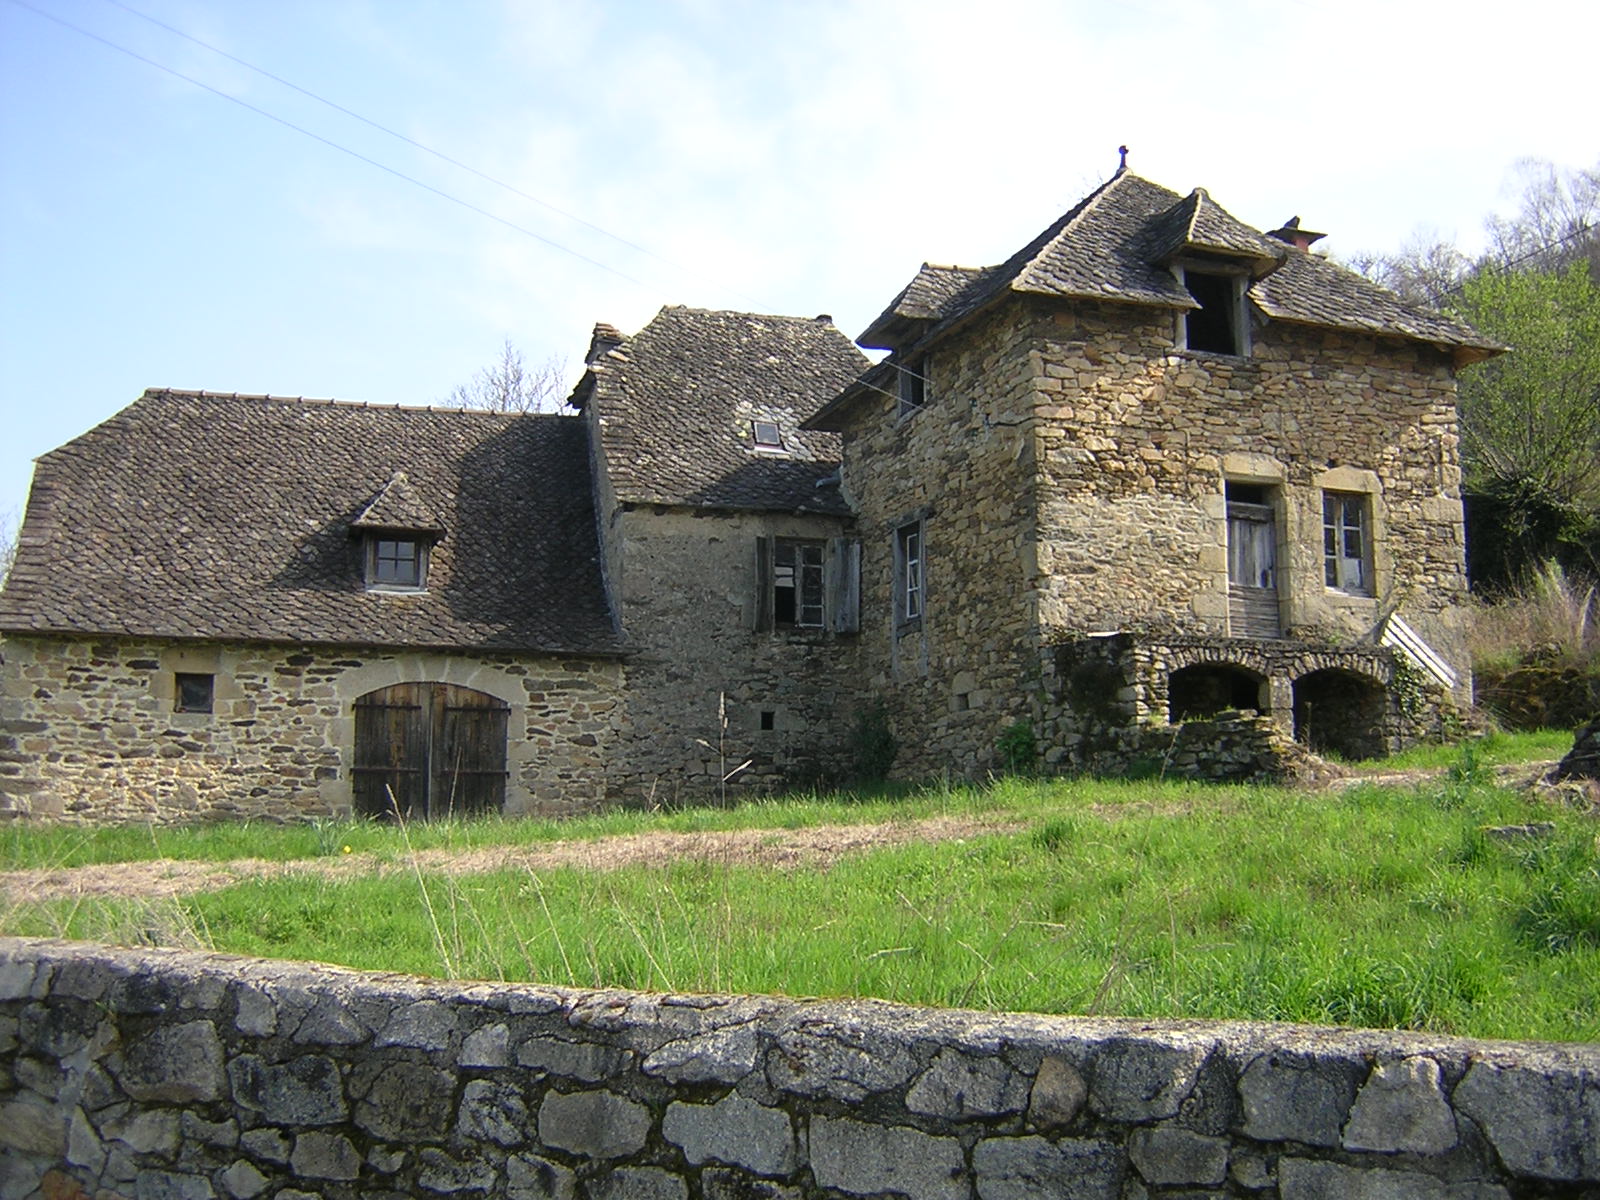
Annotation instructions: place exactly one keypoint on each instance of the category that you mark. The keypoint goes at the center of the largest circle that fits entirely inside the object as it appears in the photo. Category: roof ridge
(156, 393)
(1200, 197)
(736, 312)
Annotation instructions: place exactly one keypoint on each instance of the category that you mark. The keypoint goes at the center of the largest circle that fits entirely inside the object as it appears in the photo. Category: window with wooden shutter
(844, 585)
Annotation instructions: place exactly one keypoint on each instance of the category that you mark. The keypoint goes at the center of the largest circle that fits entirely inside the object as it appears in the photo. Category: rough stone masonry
(165, 1075)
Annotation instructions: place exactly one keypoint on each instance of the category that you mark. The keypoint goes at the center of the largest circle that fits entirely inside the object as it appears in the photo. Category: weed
(1018, 748)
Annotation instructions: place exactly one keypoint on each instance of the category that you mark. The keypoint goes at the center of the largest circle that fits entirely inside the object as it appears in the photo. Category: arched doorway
(429, 750)
(1206, 688)
(1341, 712)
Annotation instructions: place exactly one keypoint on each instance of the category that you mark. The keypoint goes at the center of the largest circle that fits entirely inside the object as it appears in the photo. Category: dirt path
(817, 846)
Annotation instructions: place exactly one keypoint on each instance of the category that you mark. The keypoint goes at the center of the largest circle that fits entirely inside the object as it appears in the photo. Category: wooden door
(429, 749)
(1252, 571)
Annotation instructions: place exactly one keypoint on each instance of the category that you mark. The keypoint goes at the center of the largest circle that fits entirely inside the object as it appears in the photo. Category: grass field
(1379, 906)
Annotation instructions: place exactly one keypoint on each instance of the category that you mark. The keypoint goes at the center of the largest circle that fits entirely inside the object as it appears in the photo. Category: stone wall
(954, 679)
(88, 729)
(161, 1074)
(1071, 466)
(1135, 442)
(688, 601)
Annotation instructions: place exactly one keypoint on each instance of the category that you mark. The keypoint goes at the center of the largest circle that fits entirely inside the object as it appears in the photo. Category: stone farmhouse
(1154, 467)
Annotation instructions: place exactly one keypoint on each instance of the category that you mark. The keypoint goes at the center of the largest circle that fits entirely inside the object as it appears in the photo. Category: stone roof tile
(398, 506)
(201, 515)
(1116, 244)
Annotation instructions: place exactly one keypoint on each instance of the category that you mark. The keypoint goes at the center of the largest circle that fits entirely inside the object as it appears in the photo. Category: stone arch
(1203, 688)
(429, 749)
(1341, 711)
(391, 669)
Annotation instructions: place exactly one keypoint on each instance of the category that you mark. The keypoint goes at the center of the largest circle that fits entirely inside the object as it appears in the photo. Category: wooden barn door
(436, 748)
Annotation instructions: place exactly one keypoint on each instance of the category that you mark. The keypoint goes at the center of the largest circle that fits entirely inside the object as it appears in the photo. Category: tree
(1530, 419)
(510, 385)
(1426, 270)
(1558, 223)
(8, 543)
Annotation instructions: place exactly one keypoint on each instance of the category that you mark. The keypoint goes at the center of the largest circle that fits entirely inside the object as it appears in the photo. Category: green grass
(1492, 749)
(1377, 906)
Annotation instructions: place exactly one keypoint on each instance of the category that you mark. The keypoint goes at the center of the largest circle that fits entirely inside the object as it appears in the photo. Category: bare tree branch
(8, 543)
(510, 385)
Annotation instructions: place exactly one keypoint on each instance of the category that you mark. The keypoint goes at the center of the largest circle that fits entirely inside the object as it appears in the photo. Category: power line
(372, 162)
(410, 141)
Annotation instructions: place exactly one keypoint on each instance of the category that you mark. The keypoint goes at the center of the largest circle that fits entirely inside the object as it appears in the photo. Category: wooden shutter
(844, 584)
(761, 607)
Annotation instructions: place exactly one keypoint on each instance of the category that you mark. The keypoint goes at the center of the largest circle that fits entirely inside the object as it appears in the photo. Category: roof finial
(1123, 165)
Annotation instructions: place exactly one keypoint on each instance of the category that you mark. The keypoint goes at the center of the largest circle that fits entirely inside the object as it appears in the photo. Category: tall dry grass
(1552, 619)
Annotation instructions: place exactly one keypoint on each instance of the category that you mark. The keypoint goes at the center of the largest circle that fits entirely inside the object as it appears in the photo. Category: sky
(364, 199)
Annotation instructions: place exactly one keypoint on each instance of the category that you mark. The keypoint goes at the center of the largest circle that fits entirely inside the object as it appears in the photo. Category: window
(1346, 542)
(909, 571)
(396, 563)
(808, 583)
(1218, 325)
(913, 385)
(797, 583)
(766, 435)
(193, 693)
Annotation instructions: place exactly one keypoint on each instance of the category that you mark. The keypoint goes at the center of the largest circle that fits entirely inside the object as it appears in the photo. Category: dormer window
(397, 528)
(396, 563)
(766, 435)
(1218, 326)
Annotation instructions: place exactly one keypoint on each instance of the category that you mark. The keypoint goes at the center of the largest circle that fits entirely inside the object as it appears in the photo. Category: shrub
(873, 745)
(1018, 748)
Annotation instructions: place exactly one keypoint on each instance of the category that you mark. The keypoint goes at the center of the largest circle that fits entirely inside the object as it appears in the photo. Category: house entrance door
(429, 750)
(1252, 564)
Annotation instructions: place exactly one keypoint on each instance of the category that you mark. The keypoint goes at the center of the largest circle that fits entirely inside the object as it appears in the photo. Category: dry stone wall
(1136, 439)
(88, 729)
(954, 679)
(157, 1074)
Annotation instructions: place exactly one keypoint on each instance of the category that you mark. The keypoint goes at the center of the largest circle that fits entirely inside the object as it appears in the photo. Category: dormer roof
(1198, 227)
(398, 507)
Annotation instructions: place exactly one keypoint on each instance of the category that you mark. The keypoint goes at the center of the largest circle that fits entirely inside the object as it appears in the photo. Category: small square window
(766, 435)
(396, 563)
(914, 390)
(769, 719)
(193, 693)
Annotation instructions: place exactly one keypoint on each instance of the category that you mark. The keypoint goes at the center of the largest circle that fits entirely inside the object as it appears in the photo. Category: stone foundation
(164, 1074)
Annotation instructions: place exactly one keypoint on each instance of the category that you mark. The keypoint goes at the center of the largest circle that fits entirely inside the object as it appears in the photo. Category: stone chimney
(603, 341)
(1291, 232)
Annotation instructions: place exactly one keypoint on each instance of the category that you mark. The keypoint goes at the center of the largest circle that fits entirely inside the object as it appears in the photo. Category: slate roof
(1116, 244)
(675, 402)
(398, 507)
(201, 515)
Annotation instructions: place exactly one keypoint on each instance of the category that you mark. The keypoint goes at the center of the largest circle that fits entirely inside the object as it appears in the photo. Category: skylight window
(766, 435)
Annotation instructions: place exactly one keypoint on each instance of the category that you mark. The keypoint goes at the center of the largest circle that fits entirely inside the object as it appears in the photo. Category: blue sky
(786, 157)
